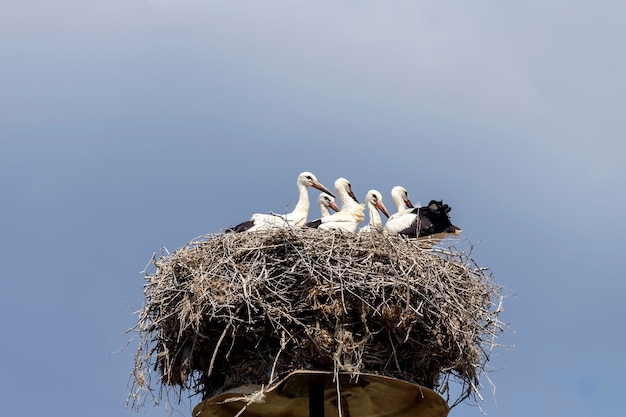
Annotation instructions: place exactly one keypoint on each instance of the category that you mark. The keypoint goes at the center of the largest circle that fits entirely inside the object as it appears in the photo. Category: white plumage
(374, 203)
(400, 198)
(297, 218)
(326, 201)
(351, 213)
(400, 222)
(431, 221)
(403, 217)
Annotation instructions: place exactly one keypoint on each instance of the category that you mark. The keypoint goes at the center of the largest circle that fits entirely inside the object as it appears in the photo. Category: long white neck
(301, 211)
(375, 220)
(400, 204)
(324, 210)
(346, 200)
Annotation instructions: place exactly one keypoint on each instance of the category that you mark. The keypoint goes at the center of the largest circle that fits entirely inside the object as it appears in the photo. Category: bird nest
(247, 308)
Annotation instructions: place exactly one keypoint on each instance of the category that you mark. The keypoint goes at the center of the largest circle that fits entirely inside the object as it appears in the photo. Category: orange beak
(381, 207)
(323, 189)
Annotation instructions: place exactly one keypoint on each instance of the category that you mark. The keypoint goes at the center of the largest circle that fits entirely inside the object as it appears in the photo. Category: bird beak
(380, 206)
(323, 189)
(351, 194)
(333, 206)
(408, 203)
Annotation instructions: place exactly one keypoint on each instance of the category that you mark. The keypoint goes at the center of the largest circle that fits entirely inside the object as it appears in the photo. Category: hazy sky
(128, 125)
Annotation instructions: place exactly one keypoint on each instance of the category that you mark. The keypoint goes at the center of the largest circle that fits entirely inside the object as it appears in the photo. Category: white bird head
(307, 179)
(344, 191)
(375, 199)
(326, 200)
(400, 197)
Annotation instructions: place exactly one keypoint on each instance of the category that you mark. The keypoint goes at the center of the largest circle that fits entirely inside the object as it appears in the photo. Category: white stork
(400, 198)
(419, 222)
(374, 203)
(297, 218)
(350, 215)
(403, 216)
(326, 201)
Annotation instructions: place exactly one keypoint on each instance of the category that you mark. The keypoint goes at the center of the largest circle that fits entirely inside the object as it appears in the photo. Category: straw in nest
(234, 309)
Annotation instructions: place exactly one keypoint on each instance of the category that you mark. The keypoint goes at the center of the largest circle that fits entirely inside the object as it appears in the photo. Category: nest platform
(236, 309)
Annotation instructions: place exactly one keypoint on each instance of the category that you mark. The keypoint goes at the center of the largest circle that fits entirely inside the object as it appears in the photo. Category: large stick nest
(234, 309)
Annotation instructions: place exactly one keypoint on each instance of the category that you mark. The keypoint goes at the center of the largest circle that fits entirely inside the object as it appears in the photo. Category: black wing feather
(314, 224)
(241, 227)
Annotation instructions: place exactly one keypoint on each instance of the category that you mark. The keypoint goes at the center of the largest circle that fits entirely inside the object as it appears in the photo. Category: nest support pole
(316, 398)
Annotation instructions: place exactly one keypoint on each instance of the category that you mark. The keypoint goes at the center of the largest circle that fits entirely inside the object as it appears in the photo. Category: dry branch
(234, 309)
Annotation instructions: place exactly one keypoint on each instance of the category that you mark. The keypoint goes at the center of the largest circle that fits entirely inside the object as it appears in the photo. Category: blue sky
(128, 125)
